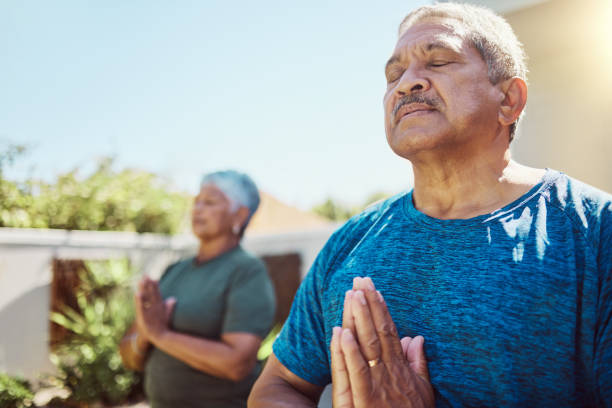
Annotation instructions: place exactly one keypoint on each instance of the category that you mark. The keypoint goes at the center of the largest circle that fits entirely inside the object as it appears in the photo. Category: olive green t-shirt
(230, 293)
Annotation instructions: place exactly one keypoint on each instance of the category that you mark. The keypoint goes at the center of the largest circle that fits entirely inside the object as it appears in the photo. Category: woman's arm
(133, 349)
(232, 358)
(277, 387)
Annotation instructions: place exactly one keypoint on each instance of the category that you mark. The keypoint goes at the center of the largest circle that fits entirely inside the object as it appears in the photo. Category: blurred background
(111, 112)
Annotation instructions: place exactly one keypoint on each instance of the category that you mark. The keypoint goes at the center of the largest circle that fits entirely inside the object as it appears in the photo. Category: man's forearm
(278, 395)
(277, 387)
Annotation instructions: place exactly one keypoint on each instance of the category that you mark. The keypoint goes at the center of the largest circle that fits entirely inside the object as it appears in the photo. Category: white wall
(25, 276)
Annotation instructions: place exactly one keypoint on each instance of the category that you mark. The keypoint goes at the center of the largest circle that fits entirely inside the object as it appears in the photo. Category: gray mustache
(415, 98)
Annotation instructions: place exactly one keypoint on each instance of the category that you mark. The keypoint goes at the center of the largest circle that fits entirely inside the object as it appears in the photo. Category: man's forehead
(431, 34)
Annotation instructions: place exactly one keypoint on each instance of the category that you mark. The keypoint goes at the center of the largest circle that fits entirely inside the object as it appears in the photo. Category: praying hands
(371, 366)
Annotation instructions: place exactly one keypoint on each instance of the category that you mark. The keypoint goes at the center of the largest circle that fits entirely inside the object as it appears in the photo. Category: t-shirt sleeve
(301, 345)
(250, 303)
(603, 336)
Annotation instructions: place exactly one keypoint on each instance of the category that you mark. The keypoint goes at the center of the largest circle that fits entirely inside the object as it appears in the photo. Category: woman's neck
(213, 247)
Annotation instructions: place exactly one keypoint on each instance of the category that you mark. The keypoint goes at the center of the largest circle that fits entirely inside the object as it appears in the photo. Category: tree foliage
(336, 211)
(105, 200)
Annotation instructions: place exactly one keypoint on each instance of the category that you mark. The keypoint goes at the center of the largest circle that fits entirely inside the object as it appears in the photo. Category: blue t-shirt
(515, 306)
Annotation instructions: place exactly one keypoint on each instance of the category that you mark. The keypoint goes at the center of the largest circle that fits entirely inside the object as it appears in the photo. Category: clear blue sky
(290, 92)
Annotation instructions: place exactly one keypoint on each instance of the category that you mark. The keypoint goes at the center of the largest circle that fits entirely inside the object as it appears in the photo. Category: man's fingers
(416, 357)
(347, 314)
(405, 342)
(391, 348)
(341, 386)
(358, 369)
(366, 332)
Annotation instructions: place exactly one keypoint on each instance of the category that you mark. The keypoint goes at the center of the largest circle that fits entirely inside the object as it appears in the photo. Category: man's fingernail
(368, 283)
(380, 297)
(337, 331)
(356, 281)
(360, 297)
(348, 294)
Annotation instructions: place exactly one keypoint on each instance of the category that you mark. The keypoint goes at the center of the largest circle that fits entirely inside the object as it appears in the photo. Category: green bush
(14, 392)
(104, 200)
(89, 363)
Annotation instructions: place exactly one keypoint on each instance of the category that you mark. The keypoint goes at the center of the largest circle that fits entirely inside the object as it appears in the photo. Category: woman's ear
(515, 98)
(241, 216)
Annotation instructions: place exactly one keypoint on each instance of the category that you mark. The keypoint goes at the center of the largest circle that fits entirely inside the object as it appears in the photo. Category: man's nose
(412, 80)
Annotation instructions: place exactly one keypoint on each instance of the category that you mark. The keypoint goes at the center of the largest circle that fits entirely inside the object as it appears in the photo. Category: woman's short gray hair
(488, 32)
(239, 188)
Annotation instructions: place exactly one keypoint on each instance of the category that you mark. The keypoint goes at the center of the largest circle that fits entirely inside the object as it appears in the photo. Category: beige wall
(568, 125)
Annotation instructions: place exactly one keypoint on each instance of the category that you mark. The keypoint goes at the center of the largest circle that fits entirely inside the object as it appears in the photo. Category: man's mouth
(412, 109)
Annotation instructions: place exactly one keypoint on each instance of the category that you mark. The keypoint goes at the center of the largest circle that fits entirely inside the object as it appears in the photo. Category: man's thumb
(415, 354)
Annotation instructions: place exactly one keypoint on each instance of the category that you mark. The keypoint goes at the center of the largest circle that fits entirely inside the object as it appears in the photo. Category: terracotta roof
(275, 216)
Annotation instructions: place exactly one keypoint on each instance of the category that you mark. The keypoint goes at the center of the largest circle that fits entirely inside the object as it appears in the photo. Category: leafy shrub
(266, 345)
(14, 392)
(105, 200)
(89, 363)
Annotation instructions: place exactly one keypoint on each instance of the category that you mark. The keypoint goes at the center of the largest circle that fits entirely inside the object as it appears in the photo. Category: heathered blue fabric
(515, 306)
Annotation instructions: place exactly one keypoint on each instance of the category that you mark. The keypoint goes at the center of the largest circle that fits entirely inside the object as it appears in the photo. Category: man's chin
(405, 141)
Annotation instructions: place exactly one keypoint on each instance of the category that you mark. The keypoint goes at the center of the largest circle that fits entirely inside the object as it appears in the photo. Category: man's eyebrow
(442, 45)
(434, 45)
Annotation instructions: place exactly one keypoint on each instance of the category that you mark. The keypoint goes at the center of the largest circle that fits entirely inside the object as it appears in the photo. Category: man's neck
(456, 188)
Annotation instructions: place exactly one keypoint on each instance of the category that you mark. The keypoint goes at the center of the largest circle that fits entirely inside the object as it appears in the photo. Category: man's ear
(515, 98)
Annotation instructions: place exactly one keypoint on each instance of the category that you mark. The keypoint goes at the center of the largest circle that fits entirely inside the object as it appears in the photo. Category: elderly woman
(197, 331)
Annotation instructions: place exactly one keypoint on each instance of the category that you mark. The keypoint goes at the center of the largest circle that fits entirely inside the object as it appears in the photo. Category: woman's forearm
(133, 350)
(218, 358)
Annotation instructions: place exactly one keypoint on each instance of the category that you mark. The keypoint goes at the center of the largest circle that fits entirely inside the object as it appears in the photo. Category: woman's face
(212, 214)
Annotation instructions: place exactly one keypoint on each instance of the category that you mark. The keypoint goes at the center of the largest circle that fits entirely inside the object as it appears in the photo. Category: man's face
(438, 91)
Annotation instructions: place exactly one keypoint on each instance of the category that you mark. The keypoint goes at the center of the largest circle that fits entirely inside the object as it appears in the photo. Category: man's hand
(371, 367)
(152, 312)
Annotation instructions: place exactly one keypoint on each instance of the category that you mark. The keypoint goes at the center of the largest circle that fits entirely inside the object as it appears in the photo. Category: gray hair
(488, 32)
(239, 188)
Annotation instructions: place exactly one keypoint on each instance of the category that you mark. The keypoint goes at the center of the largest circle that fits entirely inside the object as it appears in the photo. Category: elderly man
(493, 280)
